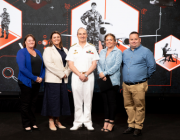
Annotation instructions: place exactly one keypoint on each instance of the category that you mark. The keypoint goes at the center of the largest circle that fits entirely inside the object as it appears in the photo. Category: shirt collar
(135, 48)
(115, 48)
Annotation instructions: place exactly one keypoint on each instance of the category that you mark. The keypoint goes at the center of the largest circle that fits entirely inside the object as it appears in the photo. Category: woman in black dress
(56, 101)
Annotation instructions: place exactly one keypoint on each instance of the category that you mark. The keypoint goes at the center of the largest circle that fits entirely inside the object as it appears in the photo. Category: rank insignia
(89, 52)
(75, 52)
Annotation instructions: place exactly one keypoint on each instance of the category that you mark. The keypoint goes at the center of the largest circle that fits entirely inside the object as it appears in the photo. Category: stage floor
(156, 127)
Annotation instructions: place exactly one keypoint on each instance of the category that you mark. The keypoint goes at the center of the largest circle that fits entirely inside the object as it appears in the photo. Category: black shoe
(107, 130)
(173, 61)
(103, 129)
(1, 36)
(129, 130)
(137, 132)
(6, 37)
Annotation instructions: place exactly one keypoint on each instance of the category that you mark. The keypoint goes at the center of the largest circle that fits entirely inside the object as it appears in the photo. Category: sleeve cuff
(105, 73)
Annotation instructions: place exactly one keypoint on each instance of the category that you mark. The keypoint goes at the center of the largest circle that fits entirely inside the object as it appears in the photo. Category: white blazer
(55, 69)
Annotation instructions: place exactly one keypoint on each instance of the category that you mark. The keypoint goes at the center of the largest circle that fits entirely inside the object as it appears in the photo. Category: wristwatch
(86, 75)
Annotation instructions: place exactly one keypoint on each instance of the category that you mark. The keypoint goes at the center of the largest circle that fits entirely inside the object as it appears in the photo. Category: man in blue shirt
(138, 66)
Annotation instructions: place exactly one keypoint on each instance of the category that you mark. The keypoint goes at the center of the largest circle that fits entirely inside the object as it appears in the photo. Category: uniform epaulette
(74, 44)
(91, 44)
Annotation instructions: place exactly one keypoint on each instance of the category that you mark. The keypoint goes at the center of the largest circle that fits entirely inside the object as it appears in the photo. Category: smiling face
(30, 42)
(82, 35)
(110, 41)
(134, 41)
(56, 39)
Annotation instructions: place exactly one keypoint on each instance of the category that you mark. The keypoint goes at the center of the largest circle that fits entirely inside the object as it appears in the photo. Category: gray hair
(81, 28)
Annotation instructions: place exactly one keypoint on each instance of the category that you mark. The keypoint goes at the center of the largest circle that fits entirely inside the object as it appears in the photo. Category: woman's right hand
(65, 76)
(104, 79)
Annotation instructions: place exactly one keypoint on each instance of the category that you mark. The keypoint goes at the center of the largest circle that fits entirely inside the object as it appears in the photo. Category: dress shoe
(107, 130)
(103, 129)
(60, 126)
(35, 128)
(75, 127)
(2, 36)
(52, 128)
(137, 132)
(129, 130)
(6, 37)
(27, 130)
(90, 128)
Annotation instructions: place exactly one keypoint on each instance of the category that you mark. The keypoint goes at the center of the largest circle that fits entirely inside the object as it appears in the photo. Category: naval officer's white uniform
(82, 91)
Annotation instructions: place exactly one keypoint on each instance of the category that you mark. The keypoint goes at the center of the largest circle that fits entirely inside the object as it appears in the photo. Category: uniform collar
(84, 46)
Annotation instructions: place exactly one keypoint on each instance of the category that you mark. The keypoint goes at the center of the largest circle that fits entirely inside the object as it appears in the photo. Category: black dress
(56, 100)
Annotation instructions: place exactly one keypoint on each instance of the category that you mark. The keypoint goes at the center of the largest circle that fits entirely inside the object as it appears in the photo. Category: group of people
(56, 64)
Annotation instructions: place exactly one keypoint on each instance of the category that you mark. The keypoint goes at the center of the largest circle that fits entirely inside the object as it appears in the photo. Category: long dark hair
(29, 35)
(56, 32)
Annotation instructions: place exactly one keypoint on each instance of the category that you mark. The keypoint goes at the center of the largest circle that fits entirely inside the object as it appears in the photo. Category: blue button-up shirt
(110, 65)
(138, 65)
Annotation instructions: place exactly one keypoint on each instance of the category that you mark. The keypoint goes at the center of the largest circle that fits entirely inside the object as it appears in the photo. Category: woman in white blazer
(56, 101)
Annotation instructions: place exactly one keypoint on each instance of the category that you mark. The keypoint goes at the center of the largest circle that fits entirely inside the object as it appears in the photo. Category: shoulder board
(74, 44)
(92, 44)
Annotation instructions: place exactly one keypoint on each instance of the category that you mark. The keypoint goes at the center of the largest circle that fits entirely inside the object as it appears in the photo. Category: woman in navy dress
(56, 100)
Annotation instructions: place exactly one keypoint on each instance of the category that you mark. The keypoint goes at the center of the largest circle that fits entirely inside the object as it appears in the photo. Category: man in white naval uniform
(82, 58)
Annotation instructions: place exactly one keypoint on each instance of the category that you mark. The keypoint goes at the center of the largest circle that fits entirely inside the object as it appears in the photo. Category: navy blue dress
(56, 100)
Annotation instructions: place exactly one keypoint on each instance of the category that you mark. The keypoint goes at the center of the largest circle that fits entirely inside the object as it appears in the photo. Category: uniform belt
(134, 83)
(83, 72)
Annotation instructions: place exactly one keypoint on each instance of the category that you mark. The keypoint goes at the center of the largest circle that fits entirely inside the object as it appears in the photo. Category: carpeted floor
(156, 127)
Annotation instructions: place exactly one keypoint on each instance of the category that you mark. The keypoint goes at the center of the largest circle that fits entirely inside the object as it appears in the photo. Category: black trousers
(28, 99)
(109, 99)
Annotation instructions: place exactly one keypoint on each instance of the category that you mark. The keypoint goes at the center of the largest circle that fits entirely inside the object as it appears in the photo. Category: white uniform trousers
(82, 93)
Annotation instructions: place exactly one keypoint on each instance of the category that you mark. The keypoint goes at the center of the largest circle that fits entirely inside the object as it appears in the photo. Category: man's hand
(101, 75)
(82, 77)
(86, 79)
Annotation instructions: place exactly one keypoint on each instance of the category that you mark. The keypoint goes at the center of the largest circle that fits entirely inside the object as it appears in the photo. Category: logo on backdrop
(36, 4)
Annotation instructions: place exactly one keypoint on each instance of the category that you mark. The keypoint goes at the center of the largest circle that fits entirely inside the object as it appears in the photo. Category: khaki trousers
(134, 103)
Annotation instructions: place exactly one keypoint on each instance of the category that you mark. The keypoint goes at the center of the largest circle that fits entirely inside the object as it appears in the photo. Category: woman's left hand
(40, 79)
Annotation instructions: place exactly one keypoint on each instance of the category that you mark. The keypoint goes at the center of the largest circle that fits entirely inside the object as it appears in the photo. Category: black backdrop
(57, 15)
